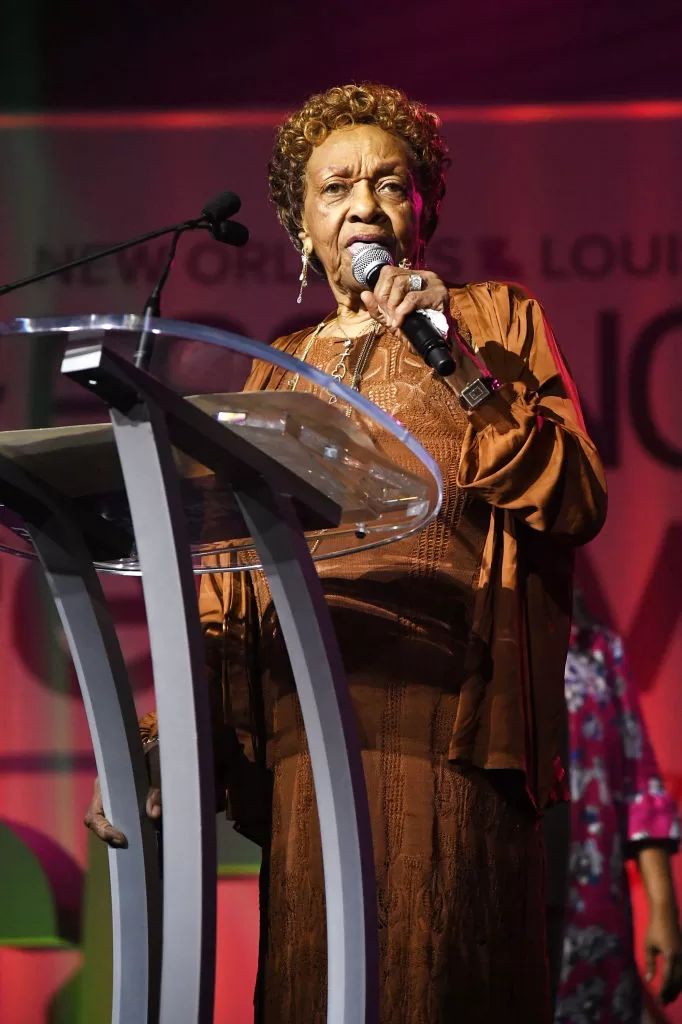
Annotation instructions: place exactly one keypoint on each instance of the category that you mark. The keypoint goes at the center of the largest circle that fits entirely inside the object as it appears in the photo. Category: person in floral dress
(619, 810)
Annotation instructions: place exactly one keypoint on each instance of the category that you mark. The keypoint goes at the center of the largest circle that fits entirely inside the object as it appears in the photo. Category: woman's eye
(393, 186)
(333, 188)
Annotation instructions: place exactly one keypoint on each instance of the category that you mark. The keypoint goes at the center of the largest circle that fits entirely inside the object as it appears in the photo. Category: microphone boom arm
(145, 344)
(187, 225)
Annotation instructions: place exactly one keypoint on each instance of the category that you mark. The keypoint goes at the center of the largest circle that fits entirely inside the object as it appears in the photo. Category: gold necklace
(293, 381)
(340, 370)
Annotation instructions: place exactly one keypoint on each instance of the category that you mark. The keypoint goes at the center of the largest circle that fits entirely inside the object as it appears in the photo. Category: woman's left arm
(527, 449)
(662, 936)
(653, 826)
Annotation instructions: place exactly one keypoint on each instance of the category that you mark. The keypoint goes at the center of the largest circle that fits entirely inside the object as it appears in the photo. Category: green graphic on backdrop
(86, 997)
(40, 891)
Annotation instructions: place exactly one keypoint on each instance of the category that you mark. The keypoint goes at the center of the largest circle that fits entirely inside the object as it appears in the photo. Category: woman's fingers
(98, 823)
(398, 292)
(372, 306)
(153, 805)
(382, 289)
(671, 985)
(105, 831)
(152, 757)
(432, 298)
(95, 818)
(394, 296)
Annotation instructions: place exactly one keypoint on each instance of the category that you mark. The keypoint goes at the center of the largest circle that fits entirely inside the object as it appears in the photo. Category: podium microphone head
(221, 208)
(231, 232)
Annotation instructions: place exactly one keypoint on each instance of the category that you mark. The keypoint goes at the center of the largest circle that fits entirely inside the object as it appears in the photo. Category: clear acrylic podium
(274, 480)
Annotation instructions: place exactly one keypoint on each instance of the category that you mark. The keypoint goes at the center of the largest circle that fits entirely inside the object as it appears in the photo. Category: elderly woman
(453, 640)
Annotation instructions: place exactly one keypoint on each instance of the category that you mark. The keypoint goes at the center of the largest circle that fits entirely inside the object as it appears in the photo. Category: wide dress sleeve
(526, 449)
(527, 453)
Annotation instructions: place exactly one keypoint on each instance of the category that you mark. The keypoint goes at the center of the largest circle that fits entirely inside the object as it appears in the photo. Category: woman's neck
(353, 320)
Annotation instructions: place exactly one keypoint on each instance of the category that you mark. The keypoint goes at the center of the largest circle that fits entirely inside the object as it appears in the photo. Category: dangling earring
(303, 277)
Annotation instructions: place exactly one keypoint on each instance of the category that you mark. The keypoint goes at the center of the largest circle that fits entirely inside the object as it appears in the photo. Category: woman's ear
(306, 241)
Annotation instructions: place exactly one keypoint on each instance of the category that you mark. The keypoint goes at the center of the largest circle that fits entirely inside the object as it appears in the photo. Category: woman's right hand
(95, 818)
(98, 823)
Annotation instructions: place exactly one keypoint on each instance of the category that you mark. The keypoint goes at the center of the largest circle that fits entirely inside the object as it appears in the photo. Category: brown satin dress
(457, 848)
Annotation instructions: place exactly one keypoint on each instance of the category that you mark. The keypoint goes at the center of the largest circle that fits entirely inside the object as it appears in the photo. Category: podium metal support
(110, 710)
(331, 731)
(148, 418)
(187, 785)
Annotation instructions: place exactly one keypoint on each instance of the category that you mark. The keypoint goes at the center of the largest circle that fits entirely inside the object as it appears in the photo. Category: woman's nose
(363, 204)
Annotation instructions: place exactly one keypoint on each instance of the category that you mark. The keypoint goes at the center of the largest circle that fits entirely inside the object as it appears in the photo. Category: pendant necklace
(341, 367)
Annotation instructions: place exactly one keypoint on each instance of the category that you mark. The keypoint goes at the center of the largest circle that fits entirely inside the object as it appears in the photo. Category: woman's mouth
(354, 240)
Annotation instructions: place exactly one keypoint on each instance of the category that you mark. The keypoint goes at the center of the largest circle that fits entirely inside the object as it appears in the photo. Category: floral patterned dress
(618, 803)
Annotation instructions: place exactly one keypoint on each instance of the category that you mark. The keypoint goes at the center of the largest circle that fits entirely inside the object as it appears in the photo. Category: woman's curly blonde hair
(343, 107)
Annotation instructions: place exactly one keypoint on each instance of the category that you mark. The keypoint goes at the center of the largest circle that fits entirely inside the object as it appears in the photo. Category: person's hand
(392, 299)
(663, 939)
(95, 818)
(98, 823)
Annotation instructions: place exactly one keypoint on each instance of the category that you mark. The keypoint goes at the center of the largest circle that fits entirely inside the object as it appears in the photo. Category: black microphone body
(368, 262)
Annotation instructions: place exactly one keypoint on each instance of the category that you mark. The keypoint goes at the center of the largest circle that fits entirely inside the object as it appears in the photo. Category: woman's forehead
(364, 146)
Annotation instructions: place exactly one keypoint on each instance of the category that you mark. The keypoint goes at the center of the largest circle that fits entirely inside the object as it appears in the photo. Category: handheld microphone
(368, 259)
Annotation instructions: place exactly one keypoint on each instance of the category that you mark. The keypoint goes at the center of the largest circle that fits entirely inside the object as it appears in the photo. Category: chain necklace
(341, 367)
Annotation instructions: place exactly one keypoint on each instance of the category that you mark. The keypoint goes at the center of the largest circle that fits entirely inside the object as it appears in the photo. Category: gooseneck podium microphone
(368, 260)
(214, 218)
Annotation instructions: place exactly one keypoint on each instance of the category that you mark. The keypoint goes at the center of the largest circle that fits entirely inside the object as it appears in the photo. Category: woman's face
(359, 187)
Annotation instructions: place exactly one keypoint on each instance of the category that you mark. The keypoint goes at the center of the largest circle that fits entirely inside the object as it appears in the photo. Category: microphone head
(222, 207)
(231, 232)
(368, 259)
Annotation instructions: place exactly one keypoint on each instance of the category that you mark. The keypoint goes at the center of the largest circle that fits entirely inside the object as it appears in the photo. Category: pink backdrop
(582, 205)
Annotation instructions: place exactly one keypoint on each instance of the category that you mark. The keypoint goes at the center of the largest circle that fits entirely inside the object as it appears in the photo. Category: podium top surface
(383, 481)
